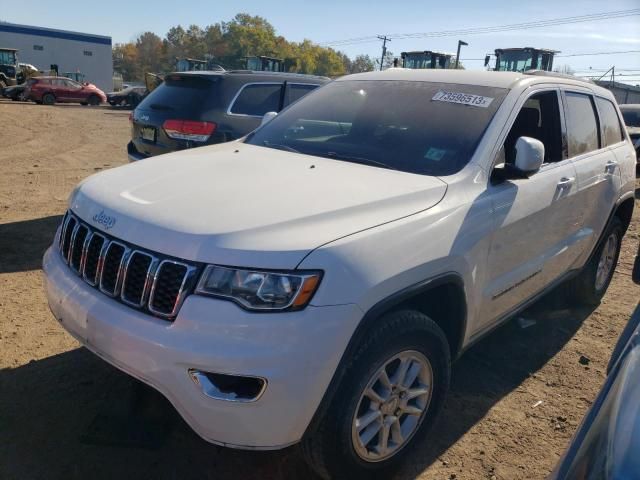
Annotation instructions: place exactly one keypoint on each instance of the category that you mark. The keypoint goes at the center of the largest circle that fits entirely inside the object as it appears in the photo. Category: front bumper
(297, 352)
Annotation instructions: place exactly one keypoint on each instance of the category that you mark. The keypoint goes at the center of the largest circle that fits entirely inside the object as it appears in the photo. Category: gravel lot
(66, 414)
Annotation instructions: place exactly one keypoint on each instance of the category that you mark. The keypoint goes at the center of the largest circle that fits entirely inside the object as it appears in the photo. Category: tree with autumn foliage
(229, 43)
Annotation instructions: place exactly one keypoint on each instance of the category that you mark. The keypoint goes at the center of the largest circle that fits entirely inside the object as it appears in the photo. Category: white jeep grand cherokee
(313, 281)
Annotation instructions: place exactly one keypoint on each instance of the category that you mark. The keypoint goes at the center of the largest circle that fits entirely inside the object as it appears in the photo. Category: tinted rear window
(182, 92)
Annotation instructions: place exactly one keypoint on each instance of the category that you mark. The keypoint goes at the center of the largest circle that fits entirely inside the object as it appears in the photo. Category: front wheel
(94, 101)
(389, 396)
(591, 284)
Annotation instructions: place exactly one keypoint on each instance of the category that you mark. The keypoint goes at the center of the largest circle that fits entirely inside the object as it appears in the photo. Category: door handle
(566, 182)
(610, 167)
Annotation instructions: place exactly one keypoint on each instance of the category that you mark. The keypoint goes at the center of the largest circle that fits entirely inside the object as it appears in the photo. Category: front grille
(137, 277)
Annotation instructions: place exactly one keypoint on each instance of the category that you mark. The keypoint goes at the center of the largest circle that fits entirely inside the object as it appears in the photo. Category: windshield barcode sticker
(463, 98)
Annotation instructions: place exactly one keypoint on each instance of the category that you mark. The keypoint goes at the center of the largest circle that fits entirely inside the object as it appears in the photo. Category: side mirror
(486, 60)
(267, 117)
(529, 155)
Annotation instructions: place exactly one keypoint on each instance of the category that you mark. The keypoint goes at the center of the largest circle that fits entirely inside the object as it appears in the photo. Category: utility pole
(613, 75)
(384, 48)
(460, 43)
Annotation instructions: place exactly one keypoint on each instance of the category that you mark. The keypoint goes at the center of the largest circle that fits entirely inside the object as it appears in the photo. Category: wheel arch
(431, 297)
(624, 211)
(441, 298)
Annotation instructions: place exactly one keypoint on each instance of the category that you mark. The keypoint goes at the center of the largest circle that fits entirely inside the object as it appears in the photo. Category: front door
(536, 235)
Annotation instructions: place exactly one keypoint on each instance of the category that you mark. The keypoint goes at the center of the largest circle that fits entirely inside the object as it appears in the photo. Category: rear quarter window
(295, 91)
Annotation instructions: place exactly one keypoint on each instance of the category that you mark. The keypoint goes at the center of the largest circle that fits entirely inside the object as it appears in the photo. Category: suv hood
(243, 205)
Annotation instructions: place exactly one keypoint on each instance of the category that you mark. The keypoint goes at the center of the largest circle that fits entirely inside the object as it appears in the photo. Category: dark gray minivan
(192, 109)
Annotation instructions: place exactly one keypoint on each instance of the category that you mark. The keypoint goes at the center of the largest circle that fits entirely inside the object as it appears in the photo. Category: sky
(332, 20)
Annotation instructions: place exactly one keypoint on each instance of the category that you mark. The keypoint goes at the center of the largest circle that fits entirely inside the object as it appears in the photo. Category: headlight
(259, 290)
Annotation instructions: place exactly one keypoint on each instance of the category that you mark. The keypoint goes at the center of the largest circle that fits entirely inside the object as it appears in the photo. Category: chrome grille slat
(67, 233)
(133, 276)
(167, 307)
(71, 242)
(133, 298)
(76, 251)
(113, 268)
(89, 273)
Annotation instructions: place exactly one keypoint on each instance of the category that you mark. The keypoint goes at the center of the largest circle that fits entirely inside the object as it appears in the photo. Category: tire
(94, 100)
(591, 284)
(3, 84)
(48, 99)
(334, 445)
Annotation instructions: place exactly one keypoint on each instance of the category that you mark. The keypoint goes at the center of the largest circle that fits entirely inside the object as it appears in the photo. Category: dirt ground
(516, 400)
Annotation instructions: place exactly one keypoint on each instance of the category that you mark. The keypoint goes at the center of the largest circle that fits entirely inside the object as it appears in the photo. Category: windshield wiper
(279, 146)
(361, 160)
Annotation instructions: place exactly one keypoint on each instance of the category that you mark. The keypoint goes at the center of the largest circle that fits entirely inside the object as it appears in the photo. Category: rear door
(536, 228)
(596, 165)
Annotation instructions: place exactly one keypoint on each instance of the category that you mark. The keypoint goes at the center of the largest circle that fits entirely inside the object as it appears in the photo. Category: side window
(538, 118)
(611, 130)
(295, 92)
(257, 99)
(73, 85)
(582, 126)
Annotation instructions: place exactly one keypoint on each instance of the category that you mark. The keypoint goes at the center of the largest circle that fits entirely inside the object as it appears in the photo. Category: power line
(492, 29)
(598, 53)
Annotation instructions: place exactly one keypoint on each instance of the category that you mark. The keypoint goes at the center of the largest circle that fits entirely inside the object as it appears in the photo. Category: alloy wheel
(392, 406)
(607, 261)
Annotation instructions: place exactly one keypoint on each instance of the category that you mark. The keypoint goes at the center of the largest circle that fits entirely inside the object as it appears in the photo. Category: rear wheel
(389, 396)
(48, 99)
(94, 101)
(3, 84)
(592, 283)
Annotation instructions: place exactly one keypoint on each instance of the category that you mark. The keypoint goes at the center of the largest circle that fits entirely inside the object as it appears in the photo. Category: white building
(71, 51)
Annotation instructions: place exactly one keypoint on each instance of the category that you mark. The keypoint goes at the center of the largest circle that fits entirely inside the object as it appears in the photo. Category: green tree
(229, 43)
(362, 63)
(150, 53)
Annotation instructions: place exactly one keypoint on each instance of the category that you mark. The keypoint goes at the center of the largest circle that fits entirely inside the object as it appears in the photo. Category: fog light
(232, 388)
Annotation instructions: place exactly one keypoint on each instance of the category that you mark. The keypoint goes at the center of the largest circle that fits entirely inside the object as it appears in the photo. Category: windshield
(515, 61)
(7, 57)
(417, 61)
(631, 117)
(410, 126)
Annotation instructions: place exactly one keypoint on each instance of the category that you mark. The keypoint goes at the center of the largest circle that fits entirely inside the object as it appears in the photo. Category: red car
(49, 90)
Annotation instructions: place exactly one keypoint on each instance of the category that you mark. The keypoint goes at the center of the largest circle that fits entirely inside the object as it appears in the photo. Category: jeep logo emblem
(105, 220)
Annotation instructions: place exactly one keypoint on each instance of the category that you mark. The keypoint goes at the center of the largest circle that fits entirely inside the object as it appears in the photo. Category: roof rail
(545, 73)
